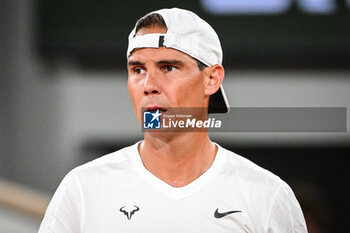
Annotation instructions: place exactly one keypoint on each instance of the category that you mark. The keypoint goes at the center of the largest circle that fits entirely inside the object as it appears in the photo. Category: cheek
(131, 90)
(189, 93)
(134, 91)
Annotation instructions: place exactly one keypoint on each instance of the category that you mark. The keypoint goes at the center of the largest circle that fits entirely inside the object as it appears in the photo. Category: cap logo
(161, 41)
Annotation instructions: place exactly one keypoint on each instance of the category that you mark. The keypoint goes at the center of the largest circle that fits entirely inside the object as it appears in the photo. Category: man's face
(162, 78)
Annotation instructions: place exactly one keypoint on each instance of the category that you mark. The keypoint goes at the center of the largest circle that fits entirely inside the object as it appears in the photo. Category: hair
(156, 20)
(151, 20)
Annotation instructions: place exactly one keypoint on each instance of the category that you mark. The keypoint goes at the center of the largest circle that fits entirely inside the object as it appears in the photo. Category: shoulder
(113, 161)
(263, 190)
(248, 171)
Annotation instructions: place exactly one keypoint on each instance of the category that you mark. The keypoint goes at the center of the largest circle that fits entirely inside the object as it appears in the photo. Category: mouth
(155, 108)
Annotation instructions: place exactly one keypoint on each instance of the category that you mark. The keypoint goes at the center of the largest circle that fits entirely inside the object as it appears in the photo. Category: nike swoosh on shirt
(221, 215)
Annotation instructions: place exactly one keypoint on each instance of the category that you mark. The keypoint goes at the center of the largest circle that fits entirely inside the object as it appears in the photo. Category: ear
(214, 77)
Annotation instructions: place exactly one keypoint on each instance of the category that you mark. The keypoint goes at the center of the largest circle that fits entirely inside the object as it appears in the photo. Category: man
(173, 181)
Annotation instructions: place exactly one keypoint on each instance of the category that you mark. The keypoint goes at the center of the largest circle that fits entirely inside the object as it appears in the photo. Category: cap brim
(218, 102)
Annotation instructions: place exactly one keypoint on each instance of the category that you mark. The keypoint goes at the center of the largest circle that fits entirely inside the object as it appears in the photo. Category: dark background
(94, 32)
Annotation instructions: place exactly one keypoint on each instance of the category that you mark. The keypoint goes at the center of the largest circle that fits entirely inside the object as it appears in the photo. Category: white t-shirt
(117, 194)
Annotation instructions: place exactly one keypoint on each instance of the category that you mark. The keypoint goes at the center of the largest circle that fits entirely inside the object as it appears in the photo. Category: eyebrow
(172, 62)
(135, 63)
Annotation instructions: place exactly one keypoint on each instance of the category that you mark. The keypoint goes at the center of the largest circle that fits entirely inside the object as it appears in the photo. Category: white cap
(190, 34)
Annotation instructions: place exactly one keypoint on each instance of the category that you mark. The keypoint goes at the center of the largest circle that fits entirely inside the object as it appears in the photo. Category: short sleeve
(286, 215)
(63, 214)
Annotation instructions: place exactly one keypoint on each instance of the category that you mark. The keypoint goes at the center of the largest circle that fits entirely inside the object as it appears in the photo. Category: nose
(151, 84)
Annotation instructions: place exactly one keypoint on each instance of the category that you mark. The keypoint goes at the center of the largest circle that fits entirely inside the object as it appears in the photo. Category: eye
(139, 70)
(168, 68)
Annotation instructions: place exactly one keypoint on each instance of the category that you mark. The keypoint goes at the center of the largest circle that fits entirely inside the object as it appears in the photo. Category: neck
(177, 159)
